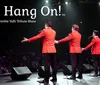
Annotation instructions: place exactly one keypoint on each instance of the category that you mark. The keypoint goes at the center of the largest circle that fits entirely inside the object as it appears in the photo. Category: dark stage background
(85, 14)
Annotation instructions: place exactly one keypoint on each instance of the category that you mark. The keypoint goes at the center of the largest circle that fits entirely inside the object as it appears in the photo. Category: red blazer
(48, 40)
(95, 44)
(74, 39)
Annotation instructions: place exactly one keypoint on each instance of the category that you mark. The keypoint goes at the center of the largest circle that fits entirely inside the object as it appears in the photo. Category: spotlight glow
(66, 2)
(47, 1)
(81, 22)
(99, 3)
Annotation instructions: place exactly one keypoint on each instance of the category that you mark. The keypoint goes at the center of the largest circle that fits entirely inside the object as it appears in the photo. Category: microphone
(39, 31)
(90, 37)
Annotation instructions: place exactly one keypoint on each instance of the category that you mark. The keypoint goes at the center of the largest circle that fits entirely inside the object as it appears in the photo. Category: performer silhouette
(74, 39)
(95, 50)
(48, 51)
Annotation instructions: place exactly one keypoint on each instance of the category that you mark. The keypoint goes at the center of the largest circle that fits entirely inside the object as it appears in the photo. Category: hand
(24, 40)
(56, 42)
(83, 49)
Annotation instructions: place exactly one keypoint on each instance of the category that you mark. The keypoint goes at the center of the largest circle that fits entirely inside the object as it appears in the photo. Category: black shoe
(43, 81)
(99, 74)
(54, 83)
(46, 83)
(39, 77)
(80, 77)
(71, 78)
(53, 80)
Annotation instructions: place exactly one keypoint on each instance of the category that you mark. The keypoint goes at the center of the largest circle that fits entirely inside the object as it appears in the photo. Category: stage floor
(32, 80)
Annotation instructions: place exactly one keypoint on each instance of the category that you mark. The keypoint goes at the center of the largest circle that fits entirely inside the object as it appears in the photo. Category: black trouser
(76, 60)
(50, 60)
(96, 59)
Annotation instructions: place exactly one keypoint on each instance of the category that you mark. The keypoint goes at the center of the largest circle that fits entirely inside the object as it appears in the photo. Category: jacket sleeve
(37, 36)
(69, 37)
(91, 44)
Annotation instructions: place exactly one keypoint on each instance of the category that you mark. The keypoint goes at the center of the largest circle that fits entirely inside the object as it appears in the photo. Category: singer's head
(75, 27)
(95, 33)
(48, 24)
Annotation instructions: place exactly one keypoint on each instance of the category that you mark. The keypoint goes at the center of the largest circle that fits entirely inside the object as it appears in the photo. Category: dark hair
(76, 27)
(49, 24)
(96, 32)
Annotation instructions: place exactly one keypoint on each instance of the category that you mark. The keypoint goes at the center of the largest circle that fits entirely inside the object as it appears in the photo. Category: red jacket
(74, 39)
(48, 40)
(95, 44)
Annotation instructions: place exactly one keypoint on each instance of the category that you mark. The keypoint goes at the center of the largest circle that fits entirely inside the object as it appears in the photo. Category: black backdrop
(12, 34)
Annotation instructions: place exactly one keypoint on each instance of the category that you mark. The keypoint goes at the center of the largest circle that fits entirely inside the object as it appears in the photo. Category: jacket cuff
(29, 40)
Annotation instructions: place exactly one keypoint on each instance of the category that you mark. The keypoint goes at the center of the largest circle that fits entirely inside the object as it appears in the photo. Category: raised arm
(69, 37)
(91, 44)
(40, 35)
(37, 36)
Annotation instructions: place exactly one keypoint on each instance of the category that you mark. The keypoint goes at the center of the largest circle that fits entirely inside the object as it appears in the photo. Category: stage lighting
(81, 22)
(99, 3)
(47, 1)
(66, 2)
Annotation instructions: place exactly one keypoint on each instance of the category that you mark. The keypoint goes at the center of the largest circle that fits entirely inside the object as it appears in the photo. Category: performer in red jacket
(74, 39)
(95, 49)
(48, 50)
